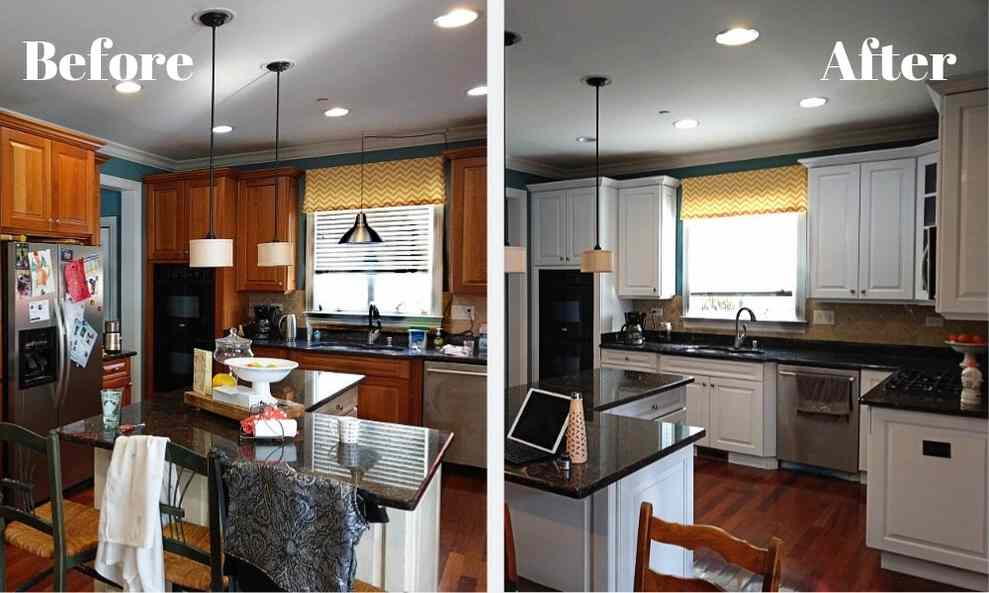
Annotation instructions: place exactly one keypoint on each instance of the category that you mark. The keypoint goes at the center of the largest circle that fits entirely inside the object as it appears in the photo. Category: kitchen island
(398, 466)
(575, 530)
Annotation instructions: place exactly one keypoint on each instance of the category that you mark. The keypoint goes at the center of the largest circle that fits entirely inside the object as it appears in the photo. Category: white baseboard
(933, 571)
(752, 461)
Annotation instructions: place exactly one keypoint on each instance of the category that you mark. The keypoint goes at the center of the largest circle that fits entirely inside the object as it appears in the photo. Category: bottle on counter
(438, 340)
(482, 342)
(577, 430)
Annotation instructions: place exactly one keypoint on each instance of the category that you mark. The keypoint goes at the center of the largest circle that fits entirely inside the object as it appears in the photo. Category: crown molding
(136, 155)
(922, 130)
(536, 168)
(888, 154)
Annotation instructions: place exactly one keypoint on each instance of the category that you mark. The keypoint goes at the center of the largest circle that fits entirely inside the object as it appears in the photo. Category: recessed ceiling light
(336, 112)
(478, 91)
(127, 87)
(458, 17)
(736, 36)
(686, 124)
(223, 129)
(586, 139)
(812, 102)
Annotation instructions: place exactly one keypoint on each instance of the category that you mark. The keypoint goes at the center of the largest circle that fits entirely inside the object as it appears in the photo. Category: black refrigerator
(566, 322)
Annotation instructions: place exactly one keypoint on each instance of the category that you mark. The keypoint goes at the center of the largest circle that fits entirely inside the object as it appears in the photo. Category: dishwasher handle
(455, 372)
(851, 379)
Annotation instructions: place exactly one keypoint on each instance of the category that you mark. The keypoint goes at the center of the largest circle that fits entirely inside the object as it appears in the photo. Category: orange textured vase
(577, 431)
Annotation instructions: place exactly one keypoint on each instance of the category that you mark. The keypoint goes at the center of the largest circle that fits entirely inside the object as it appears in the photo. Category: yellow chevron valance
(763, 191)
(404, 182)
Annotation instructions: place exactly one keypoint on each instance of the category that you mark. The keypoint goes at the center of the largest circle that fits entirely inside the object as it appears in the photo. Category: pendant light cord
(278, 103)
(363, 150)
(597, 167)
(212, 119)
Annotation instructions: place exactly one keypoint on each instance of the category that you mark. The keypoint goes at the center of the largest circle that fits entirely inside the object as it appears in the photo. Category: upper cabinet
(962, 245)
(563, 220)
(177, 209)
(646, 256)
(863, 227)
(469, 221)
(48, 181)
(266, 199)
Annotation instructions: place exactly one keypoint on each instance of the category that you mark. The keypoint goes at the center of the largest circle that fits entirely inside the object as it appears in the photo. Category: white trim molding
(136, 155)
(889, 154)
(536, 168)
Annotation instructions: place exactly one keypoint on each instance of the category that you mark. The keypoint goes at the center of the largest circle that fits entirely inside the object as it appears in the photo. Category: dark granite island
(575, 531)
(400, 466)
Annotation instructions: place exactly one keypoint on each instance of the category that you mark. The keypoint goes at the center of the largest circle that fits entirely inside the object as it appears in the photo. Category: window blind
(406, 231)
(762, 191)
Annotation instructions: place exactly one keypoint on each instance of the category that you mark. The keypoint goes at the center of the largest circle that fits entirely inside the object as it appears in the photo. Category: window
(401, 276)
(744, 261)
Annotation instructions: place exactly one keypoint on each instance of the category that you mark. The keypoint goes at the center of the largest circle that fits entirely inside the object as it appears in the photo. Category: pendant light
(361, 232)
(597, 260)
(212, 252)
(276, 253)
(515, 255)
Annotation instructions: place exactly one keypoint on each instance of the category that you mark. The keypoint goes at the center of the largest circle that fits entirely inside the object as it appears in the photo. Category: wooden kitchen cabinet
(647, 238)
(469, 221)
(116, 375)
(48, 181)
(168, 225)
(259, 195)
(391, 390)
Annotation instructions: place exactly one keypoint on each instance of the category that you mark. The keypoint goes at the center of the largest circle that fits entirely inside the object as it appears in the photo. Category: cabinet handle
(851, 290)
(936, 449)
(655, 406)
(561, 259)
(654, 290)
(863, 291)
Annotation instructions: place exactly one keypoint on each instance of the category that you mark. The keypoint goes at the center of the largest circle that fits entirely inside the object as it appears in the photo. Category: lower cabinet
(736, 415)
(628, 360)
(391, 390)
(870, 380)
(116, 375)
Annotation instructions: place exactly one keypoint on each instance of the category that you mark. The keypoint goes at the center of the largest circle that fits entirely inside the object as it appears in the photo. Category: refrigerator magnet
(75, 281)
(24, 284)
(42, 280)
(67, 254)
(39, 311)
(21, 261)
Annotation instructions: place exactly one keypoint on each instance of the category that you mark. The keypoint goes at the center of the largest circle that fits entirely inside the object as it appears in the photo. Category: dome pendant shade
(276, 253)
(514, 259)
(211, 253)
(596, 260)
(361, 232)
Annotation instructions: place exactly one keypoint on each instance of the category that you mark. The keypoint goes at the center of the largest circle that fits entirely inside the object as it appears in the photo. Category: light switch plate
(934, 321)
(462, 312)
(822, 317)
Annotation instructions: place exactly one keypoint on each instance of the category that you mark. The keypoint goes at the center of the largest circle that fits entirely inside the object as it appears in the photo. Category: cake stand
(971, 375)
(261, 373)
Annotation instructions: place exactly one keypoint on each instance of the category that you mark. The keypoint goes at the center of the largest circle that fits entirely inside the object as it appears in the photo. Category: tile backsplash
(853, 322)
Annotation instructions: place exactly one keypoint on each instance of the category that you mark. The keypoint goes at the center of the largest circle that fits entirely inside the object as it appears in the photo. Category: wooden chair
(511, 569)
(60, 530)
(193, 553)
(761, 561)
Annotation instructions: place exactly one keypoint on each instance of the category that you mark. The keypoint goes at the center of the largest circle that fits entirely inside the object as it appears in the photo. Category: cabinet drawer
(361, 365)
(627, 359)
(270, 352)
(653, 407)
(111, 367)
(343, 405)
(729, 369)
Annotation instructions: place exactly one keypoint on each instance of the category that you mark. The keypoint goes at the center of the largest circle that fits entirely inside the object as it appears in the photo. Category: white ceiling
(384, 59)
(662, 55)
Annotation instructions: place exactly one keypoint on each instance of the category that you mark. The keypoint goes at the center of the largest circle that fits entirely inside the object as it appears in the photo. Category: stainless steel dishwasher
(817, 417)
(455, 399)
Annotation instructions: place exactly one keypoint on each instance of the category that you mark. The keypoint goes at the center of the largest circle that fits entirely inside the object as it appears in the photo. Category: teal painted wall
(520, 179)
(109, 202)
(128, 170)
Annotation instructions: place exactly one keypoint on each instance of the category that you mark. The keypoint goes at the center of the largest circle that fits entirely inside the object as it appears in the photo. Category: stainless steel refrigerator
(53, 340)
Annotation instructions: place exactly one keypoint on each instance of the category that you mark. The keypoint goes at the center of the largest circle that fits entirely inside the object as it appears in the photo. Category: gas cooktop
(939, 381)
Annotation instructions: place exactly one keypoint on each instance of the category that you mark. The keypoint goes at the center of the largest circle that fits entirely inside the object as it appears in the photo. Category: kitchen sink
(722, 350)
(363, 346)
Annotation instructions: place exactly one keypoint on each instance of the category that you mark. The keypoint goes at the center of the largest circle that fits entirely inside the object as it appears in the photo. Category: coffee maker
(632, 330)
(264, 320)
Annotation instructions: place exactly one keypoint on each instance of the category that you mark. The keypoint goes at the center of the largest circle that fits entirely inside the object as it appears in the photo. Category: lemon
(224, 380)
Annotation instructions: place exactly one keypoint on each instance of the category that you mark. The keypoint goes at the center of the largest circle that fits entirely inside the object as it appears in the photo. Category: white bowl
(271, 370)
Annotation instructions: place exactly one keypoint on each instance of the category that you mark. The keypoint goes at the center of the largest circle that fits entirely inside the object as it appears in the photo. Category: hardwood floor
(820, 520)
(463, 556)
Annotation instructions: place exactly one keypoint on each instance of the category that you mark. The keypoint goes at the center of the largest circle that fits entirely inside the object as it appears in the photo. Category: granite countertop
(393, 463)
(616, 445)
(946, 402)
(355, 348)
(118, 355)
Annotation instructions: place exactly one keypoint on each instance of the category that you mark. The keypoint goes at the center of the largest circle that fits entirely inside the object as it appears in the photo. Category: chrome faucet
(373, 316)
(740, 330)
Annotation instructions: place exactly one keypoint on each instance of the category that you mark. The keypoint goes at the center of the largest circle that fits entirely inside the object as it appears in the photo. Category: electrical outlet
(934, 321)
(462, 312)
(656, 311)
(823, 317)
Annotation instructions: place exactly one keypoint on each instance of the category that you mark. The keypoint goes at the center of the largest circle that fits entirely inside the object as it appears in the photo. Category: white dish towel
(130, 551)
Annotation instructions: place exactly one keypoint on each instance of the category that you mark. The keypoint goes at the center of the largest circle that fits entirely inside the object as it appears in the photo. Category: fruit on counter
(224, 380)
(967, 339)
(258, 365)
(979, 340)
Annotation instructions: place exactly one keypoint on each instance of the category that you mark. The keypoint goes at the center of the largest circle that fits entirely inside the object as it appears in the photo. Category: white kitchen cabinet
(647, 362)
(870, 380)
(926, 223)
(736, 416)
(699, 406)
(580, 223)
(963, 246)
(834, 231)
(647, 238)
(887, 203)
(549, 228)
(926, 500)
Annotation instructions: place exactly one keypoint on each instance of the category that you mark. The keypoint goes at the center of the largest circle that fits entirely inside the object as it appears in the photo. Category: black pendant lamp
(276, 253)
(211, 252)
(361, 232)
(597, 260)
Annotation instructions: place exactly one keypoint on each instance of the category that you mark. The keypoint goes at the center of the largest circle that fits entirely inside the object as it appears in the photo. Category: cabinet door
(886, 229)
(870, 379)
(581, 218)
(549, 213)
(699, 406)
(256, 204)
(169, 222)
(469, 254)
(384, 400)
(736, 415)
(834, 231)
(638, 242)
(963, 244)
(25, 182)
(73, 176)
(197, 194)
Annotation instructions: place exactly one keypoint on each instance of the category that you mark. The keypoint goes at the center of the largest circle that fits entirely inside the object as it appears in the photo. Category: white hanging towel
(130, 551)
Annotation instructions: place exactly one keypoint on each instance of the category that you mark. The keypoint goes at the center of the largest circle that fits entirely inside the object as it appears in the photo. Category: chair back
(762, 561)
(25, 450)
(182, 467)
(511, 569)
